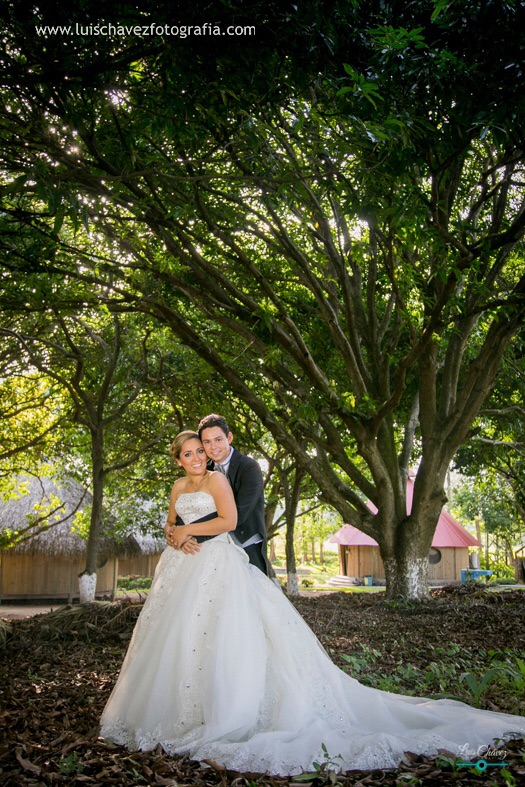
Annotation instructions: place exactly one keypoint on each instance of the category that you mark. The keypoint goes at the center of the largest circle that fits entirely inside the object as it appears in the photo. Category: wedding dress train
(222, 666)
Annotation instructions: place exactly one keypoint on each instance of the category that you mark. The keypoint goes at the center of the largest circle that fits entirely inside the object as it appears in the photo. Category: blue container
(473, 573)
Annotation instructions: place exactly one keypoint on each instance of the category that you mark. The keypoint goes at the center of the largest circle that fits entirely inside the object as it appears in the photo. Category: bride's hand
(178, 536)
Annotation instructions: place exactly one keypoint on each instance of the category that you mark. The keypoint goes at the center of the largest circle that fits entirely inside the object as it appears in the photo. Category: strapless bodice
(194, 505)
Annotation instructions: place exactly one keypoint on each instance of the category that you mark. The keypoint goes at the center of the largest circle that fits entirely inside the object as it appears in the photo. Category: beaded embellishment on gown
(221, 666)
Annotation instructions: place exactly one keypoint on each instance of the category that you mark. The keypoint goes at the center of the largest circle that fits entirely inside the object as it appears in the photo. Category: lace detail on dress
(118, 731)
(192, 505)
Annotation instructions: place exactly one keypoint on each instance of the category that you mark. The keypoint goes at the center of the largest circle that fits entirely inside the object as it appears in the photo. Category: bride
(221, 665)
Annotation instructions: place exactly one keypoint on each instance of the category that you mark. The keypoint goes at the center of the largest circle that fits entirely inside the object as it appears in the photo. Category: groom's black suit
(246, 480)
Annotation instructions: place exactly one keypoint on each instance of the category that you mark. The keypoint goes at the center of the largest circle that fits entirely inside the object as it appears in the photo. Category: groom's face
(216, 443)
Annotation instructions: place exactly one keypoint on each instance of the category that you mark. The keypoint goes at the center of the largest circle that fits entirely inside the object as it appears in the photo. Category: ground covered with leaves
(58, 670)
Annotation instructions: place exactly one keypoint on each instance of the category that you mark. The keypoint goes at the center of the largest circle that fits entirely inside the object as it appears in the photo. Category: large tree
(348, 259)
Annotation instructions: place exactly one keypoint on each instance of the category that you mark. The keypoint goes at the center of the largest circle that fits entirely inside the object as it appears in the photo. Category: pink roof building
(359, 553)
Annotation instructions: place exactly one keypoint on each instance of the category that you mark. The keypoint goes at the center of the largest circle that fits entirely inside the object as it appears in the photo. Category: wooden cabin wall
(141, 566)
(362, 561)
(453, 559)
(25, 576)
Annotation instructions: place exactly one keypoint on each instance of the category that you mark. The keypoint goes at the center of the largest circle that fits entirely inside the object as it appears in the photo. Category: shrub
(503, 581)
(501, 569)
(134, 583)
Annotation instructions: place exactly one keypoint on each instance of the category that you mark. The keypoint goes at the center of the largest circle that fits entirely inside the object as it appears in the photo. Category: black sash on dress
(206, 518)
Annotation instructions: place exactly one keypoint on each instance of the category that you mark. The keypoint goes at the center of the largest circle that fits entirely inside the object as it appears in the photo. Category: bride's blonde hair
(176, 446)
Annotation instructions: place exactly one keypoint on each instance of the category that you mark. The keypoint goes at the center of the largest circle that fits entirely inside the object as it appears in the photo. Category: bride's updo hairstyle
(176, 446)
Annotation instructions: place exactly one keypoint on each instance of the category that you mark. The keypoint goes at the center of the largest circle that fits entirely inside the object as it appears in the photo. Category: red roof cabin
(359, 554)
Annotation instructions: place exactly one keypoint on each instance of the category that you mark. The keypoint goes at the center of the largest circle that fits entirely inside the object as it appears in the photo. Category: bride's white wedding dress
(221, 666)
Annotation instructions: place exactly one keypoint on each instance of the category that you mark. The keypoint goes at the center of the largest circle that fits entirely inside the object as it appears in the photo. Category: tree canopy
(340, 241)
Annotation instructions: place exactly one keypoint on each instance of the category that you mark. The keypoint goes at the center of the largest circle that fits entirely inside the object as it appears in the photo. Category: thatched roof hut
(145, 563)
(47, 563)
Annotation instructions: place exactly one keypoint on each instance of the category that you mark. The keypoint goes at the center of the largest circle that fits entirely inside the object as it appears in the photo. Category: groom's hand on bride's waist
(189, 547)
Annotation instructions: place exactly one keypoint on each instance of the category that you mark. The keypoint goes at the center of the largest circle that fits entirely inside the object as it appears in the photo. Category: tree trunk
(509, 552)
(406, 561)
(291, 500)
(407, 577)
(87, 584)
(292, 584)
(405, 537)
(88, 578)
(269, 513)
(291, 566)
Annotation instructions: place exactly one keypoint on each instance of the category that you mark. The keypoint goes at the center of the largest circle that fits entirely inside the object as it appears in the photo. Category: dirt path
(21, 610)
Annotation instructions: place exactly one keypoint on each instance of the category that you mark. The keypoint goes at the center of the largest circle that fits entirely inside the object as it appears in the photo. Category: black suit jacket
(246, 480)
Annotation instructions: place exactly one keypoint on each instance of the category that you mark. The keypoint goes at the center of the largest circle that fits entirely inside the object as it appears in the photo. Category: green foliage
(315, 523)
(501, 570)
(490, 497)
(326, 770)
(505, 581)
(516, 673)
(45, 511)
(451, 674)
(360, 663)
(31, 417)
(478, 687)
(442, 761)
(134, 583)
(491, 464)
(71, 765)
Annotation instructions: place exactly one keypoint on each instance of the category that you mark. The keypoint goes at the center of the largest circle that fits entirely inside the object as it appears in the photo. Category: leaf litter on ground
(58, 670)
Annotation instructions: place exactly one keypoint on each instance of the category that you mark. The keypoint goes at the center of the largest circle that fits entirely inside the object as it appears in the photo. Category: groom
(245, 477)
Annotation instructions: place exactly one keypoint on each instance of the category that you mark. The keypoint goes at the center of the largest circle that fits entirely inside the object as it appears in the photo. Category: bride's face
(192, 457)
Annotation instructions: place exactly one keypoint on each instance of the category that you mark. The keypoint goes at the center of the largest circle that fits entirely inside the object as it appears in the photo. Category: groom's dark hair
(209, 421)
